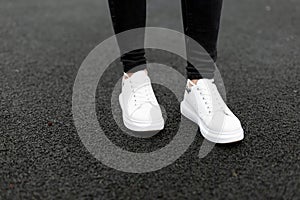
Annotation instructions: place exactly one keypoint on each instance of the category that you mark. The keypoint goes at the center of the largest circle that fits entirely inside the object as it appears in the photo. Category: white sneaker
(204, 105)
(140, 109)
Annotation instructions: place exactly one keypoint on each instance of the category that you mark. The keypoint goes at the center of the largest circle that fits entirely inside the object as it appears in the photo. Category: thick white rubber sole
(140, 126)
(213, 136)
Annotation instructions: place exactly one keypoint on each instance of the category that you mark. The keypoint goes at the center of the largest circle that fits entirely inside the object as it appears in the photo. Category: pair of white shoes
(202, 104)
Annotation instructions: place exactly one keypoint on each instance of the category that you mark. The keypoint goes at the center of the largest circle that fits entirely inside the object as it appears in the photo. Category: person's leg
(201, 19)
(140, 109)
(126, 15)
(202, 102)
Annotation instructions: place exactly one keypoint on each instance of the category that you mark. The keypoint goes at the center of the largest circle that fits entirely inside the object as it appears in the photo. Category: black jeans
(201, 19)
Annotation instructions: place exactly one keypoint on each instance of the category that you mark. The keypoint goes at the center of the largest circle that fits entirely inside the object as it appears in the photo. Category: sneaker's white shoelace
(210, 96)
(143, 94)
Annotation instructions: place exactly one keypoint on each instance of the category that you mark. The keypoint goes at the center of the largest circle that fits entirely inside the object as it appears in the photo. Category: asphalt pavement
(42, 45)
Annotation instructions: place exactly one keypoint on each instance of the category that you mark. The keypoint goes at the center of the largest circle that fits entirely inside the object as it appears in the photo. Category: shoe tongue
(139, 77)
(204, 82)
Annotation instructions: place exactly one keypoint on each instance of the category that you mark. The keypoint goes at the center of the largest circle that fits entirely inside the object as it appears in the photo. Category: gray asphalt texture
(42, 44)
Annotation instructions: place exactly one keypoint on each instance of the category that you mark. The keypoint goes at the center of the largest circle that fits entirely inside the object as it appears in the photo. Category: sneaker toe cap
(222, 122)
(147, 113)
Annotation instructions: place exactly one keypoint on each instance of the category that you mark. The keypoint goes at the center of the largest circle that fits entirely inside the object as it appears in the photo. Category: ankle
(129, 74)
(193, 82)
